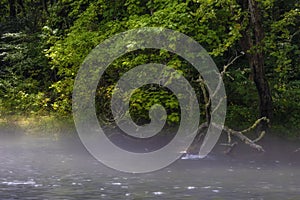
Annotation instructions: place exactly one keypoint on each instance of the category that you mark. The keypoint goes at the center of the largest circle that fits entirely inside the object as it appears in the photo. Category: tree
(65, 31)
(12, 8)
(252, 43)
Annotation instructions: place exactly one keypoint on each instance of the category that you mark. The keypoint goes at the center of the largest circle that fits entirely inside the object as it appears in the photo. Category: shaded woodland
(255, 44)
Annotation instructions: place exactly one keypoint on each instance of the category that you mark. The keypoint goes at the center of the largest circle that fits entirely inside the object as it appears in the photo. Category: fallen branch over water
(230, 132)
(195, 147)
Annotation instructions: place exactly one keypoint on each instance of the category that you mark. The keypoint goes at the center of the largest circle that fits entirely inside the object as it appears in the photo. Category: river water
(44, 168)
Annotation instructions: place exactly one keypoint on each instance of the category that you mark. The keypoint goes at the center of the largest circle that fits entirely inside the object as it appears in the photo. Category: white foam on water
(16, 182)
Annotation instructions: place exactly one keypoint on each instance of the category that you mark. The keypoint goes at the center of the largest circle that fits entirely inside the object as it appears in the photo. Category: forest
(255, 43)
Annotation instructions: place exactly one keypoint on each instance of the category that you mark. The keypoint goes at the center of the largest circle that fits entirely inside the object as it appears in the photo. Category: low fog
(61, 168)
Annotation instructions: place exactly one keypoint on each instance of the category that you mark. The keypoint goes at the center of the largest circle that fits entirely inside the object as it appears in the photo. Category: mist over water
(49, 168)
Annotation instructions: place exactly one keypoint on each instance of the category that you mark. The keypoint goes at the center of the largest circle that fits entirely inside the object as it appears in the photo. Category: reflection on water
(46, 169)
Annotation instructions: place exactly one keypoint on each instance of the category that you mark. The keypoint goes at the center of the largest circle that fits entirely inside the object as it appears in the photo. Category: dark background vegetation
(43, 43)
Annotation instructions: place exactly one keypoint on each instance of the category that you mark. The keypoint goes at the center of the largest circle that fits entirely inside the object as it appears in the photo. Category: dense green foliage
(44, 43)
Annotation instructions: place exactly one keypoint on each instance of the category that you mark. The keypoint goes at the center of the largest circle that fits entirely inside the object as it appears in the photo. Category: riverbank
(54, 124)
(36, 125)
(277, 149)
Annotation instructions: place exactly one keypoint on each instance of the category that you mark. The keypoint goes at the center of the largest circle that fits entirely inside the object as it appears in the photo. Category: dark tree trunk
(253, 37)
(12, 8)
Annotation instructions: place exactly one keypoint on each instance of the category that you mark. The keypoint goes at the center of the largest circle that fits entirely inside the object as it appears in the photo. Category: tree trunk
(12, 8)
(253, 38)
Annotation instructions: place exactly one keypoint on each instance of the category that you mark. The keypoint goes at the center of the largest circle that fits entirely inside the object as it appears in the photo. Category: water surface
(43, 168)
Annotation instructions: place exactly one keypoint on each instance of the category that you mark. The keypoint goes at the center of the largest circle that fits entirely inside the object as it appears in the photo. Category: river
(48, 169)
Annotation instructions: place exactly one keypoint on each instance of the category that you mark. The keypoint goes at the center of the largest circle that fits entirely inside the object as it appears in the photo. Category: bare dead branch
(230, 132)
(256, 123)
(230, 147)
(244, 139)
(230, 63)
